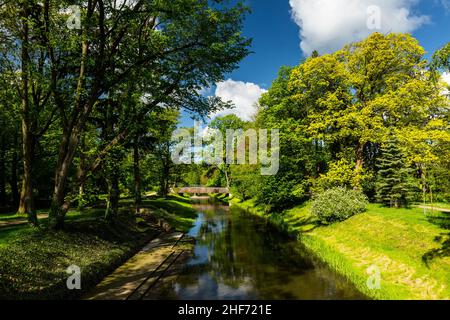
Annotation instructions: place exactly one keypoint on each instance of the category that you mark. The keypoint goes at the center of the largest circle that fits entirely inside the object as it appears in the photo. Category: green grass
(11, 216)
(16, 216)
(293, 221)
(33, 261)
(176, 210)
(411, 250)
(9, 234)
(220, 197)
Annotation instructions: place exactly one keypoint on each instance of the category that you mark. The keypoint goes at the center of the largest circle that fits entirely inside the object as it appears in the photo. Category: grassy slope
(176, 210)
(411, 252)
(399, 242)
(33, 263)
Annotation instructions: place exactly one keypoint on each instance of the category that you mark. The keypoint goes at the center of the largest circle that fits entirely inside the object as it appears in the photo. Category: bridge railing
(202, 190)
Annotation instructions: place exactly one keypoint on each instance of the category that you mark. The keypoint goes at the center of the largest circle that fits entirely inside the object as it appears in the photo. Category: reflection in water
(239, 256)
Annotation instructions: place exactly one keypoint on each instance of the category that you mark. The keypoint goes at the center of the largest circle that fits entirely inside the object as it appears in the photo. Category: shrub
(338, 204)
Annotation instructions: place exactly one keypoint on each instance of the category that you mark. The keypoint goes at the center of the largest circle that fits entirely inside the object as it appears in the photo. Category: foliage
(125, 61)
(338, 204)
(441, 58)
(355, 95)
(33, 264)
(336, 111)
(340, 173)
(398, 240)
(394, 186)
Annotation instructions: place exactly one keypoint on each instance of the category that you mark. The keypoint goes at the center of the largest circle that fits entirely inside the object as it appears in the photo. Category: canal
(240, 256)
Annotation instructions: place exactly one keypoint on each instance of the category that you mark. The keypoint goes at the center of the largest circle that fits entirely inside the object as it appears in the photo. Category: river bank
(410, 250)
(33, 261)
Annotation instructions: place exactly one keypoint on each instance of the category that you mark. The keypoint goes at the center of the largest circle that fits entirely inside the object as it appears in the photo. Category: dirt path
(18, 221)
(135, 279)
(435, 209)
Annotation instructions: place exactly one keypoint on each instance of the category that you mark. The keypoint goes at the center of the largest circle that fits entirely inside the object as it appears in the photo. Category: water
(240, 256)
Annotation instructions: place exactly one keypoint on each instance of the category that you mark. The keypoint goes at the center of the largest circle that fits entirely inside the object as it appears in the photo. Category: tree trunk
(59, 207)
(26, 199)
(14, 180)
(359, 166)
(112, 208)
(423, 177)
(164, 178)
(227, 178)
(81, 192)
(137, 176)
(26, 195)
(3, 200)
(68, 146)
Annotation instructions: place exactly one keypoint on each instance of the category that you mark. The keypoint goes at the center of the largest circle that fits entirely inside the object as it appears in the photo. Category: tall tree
(394, 187)
(355, 95)
(21, 31)
(164, 123)
(441, 58)
(230, 122)
(171, 48)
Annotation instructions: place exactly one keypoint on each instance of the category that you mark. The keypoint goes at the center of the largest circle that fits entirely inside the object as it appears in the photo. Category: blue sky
(279, 40)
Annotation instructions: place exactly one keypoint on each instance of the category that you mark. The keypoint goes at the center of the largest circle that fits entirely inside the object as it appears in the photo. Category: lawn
(174, 209)
(33, 261)
(410, 249)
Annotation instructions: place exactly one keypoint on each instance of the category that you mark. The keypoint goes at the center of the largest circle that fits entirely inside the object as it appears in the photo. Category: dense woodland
(90, 112)
(373, 117)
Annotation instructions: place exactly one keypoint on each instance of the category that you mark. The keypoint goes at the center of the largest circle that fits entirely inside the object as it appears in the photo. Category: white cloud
(327, 25)
(445, 4)
(244, 95)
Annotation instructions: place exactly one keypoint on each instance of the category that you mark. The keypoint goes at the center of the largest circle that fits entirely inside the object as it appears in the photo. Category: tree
(170, 48)
(164, 122)
(394, 187)
(22, 32)
(352, 97)
(336, 111)
(229, 122)
(426, 147)
(9, 145)
(302, 157)
(441, 58)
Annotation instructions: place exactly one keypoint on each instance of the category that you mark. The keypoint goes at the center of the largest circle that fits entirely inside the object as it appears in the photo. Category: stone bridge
(202, 190)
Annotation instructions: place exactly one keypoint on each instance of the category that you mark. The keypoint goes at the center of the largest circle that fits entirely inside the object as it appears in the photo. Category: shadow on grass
(34, 260)
(441, 220)
(171, 197)
(300, 220)
(177, 211)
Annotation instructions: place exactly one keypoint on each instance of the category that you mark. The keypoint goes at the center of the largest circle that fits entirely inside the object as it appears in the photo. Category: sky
(286, 31)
